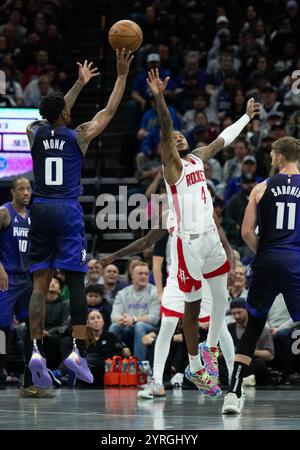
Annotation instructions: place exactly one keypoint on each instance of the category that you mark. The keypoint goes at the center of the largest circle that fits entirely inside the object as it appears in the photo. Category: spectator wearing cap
(95, 300)
(249, 168)
(264, 352)
(238, 203)
(270, 104)
(140, 91)
(111, 283)
(222, 22)
(233, 166)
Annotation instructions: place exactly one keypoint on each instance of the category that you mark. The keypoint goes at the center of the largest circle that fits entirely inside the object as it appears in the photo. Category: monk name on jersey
(56, 144)
(286, 190)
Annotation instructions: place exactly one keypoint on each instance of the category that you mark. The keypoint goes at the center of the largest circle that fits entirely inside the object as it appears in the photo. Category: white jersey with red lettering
(189, 200)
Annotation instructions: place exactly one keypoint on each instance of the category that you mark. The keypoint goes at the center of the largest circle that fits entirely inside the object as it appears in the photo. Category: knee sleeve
(78, 305)
(251, 335)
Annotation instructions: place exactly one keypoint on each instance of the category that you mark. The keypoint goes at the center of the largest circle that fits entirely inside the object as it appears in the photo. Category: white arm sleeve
(232, 132)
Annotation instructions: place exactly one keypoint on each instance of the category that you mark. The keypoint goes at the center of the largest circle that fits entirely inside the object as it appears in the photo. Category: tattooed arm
(136, 247)
(229, 134)
(169, 154)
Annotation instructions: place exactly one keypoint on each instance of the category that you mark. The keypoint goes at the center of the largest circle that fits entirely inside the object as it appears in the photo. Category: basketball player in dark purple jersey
(274, 206)
(15, 281)
(57, 222)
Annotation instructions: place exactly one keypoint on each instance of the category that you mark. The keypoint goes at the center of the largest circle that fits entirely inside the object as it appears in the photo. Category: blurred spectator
(94, 273)
(14, 91)
(228, 225)
(41, 67)
(65, 293)
(111, 283)
(200, 104)
(264, 352)
(95, 300)
(191, 70)
(136, 310)
(237, 205)
(100, 345)
(14, 22)
(249, 168)
(263, 157)
(149, 127)
(233, 167)
(220, 72)
(140, 92)
(282, 327)
(270, 104)
(222, 98)
(238, 289)
(238, 105)
(37, 89)
(29, 50)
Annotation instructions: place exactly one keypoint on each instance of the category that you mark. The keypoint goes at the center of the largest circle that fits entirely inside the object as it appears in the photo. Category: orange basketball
(127, 34)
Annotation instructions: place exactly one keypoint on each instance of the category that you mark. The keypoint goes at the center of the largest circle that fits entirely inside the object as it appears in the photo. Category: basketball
(127, 34)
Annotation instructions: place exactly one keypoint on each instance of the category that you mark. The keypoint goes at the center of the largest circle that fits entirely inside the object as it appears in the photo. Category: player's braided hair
(52, 106)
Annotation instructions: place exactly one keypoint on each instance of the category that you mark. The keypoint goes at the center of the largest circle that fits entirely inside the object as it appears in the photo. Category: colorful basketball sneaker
(209, 356)
(39, 371)
(203, 381)
(79, 366)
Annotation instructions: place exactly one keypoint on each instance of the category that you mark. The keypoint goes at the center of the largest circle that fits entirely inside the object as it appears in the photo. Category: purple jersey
(57, 161)
(279, 214)
(14, 242)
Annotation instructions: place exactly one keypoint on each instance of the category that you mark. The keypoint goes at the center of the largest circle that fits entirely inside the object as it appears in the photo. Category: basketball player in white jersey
(196, 251)
(172, 309)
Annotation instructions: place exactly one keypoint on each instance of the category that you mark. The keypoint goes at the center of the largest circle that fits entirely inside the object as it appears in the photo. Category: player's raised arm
(229, 134)
(85, 74)
(89, 130)
(169, 154)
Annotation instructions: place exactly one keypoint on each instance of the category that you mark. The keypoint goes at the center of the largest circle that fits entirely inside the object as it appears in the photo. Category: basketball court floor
(119, 409)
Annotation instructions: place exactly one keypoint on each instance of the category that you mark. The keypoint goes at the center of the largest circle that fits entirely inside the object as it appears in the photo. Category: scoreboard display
(15, 158)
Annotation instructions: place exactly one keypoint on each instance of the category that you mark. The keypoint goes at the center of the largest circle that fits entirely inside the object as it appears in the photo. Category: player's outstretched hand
(86, 72)
(156, 85)
(252, 108)
(123, 61)
(3, 279)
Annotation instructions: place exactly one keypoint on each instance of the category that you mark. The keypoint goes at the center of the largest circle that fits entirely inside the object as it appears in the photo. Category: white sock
(195, 363)
(218, 288)
(227, 348)
(162, 346)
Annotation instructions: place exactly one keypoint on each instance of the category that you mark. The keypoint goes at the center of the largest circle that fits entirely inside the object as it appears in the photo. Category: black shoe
(168, 385)
(187, 385)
